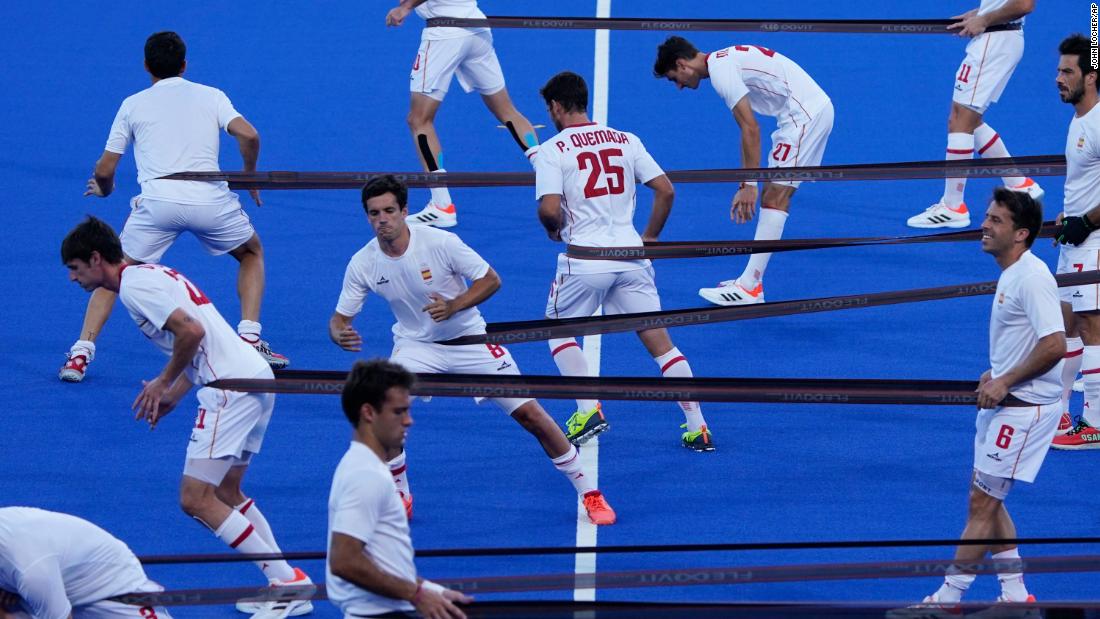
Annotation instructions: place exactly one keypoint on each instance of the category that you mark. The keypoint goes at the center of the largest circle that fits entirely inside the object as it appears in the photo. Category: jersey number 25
(599, 168)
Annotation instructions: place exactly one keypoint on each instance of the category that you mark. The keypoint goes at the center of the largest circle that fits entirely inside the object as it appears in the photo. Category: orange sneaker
(435, 215)
(599, 512)
(1031, 188)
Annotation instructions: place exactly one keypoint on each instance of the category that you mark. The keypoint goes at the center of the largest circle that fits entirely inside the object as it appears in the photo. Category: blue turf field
(325, 83)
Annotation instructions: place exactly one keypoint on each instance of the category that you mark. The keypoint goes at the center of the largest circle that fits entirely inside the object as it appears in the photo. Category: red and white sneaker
(599, 512)
(1082, 436)
(295, 603)
(76, 365)
(1065, 424)
(731, 292)
(435, 215)
(1031, 188)
(407, 501)
(274, 359)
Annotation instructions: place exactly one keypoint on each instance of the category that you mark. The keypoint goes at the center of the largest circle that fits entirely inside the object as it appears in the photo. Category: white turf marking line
(590, 455)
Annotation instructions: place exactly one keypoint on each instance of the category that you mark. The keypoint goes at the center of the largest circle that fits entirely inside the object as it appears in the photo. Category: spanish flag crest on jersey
(426, 274)
(1080, 142)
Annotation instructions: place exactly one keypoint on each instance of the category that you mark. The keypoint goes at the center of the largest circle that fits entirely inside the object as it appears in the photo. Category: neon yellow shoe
(583, 426)
(699, 440)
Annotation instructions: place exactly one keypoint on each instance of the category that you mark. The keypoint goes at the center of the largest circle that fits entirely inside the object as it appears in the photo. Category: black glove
(1075, 230)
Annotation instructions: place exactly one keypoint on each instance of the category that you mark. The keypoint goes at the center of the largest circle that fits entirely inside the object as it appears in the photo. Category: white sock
(251, 329)
(989, 144)
(953, 587)
(571, 362)
(1070, 367)
(769, 227)
(240, 534)
(959, 146)
(569, 464)
(673, 364)
(441, 196)
(252, 511)
(83, 347)
(1090, 369)
(1012, 583)
(400, 473)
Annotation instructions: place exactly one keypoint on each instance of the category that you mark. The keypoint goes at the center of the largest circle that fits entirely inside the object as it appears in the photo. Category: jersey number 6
(599, 165)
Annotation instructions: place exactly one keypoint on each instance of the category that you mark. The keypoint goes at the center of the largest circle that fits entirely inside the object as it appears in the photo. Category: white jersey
(988, 6)
(363, 504)
(596, 170)
(436, 261)
(151, 293)
(1082, 192)
(56, 561)
(774, 84)
(175, 127)
(466, 9)
(1025, 309)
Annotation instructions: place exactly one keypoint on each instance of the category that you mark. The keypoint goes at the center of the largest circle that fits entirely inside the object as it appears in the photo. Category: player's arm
(102, 182)
(1048, 351)
(971, 24)
(550, 215)
(188, 334)
(42, 590)
(396, 16)
(343, 334)
(480, 289)
(348, 559)
(663, 194)
(744, 201)
(248, 142)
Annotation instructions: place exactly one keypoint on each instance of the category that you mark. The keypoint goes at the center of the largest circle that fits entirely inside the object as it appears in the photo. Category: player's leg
(573, 295)
(1086, 317)
(480, 71)
(435, 65)
(1071, 363)
(418, 358)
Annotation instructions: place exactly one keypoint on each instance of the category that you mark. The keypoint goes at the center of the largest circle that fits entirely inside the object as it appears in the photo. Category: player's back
(776, 85)
(596, 170)
(93, 564)
(151, 292)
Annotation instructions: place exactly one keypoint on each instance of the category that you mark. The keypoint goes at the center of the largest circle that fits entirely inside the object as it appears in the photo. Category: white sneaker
(274, 359)
(730, 292)
(1031, 188)
(435, 215)
(929, 608)
(294, 604)
(939, 216)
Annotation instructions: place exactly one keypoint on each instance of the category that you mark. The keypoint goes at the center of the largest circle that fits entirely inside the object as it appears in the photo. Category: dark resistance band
(1034, 165)
(710, 249)
(832, 26)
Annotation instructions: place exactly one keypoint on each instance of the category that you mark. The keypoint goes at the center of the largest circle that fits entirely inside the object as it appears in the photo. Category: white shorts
(472, 58)
(794, 146)
(625, 292)
(1075, 260)
(1012, 441)
(153, 226)
(117, 610)
(990, 60)
(229, 423)
(431, 358)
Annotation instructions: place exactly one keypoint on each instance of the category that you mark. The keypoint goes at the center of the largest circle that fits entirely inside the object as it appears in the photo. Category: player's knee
(418, 120)
(529, 415)
(988, 493)
(195, 498)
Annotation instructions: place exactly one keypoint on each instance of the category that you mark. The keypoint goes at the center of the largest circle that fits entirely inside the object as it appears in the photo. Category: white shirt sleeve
(1039, 300)
(548, 175)
(645, 167)
(43, 590)
(355, 288)
(729, 85)
(465, 261)
(226, 111)
(148, 293)
(358, 508)
(121, 135)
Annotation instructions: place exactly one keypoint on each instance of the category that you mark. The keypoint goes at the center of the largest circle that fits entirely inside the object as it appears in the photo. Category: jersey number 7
(600, 168)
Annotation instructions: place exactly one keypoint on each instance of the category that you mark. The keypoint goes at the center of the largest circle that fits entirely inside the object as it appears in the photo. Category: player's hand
(148, 402)
(991, 392)
(255, 193)
(349, 339)
(970, 24)
(744, 205)
(986, 375)
(439, 309)
(1074, 230)
(1057, 225)
(648, 239)
(554, 235)
(440, 604)
(396, 16)
(93, 188)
